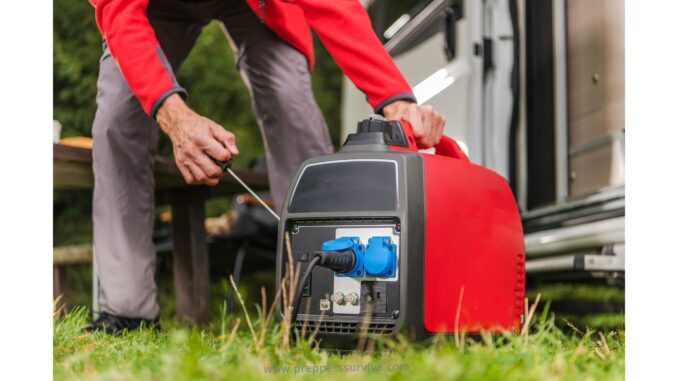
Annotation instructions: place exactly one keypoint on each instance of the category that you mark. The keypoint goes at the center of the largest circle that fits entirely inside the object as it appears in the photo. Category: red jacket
(342, 25)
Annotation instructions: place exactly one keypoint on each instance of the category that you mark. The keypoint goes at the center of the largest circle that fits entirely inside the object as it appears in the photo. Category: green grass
(574, 291)
(226, 350)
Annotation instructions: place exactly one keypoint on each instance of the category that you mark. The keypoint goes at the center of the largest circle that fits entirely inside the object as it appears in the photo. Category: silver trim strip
(598, 142)
(573, 238)
(591, 262)
(560, 99)
(408, 31)
(600, 197)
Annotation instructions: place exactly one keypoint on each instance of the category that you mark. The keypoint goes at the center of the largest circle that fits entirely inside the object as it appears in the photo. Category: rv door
(445, 49)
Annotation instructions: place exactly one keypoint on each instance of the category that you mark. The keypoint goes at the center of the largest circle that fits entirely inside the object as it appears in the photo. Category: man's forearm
(132, 42)
(396, 109)
(170, 112)
(344, 28)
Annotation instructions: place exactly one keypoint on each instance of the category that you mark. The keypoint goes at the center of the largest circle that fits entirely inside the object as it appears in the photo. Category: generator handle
(449, 147)
(446, 147)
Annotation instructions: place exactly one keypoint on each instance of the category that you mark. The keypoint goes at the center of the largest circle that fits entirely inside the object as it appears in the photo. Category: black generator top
(376, 130)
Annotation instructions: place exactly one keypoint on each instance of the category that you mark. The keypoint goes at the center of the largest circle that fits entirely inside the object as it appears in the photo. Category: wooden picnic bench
(73, 170)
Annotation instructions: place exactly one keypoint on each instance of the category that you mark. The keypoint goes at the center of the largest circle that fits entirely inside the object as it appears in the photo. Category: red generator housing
(437, 241)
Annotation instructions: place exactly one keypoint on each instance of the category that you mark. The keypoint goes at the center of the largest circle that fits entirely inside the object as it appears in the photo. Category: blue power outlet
(380, 257)
(346, 243)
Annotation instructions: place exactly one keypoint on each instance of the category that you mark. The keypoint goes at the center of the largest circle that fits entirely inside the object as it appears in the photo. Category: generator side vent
(383, 328)
(520, 288)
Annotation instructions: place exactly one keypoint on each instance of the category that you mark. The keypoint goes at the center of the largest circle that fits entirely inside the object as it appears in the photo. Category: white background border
(26, 192)
(652, 189)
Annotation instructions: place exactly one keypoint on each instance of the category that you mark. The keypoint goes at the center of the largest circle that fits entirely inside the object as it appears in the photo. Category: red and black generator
(390, 239)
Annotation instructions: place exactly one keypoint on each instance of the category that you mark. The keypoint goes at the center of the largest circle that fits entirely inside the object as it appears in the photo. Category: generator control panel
(370, 286)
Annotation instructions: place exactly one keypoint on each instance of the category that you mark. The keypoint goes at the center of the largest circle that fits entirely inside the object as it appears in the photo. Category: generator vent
(383, 328)
(520, 288)
(348, 221)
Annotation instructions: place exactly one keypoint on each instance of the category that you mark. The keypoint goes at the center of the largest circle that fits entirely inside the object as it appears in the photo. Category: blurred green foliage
(214, 85)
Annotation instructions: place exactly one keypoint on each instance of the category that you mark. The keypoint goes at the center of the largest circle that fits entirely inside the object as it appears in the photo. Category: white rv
(533, 89)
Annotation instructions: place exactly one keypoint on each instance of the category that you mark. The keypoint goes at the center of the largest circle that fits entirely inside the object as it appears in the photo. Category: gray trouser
(125, 140)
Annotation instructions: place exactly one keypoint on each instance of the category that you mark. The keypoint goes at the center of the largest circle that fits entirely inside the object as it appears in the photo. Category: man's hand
(196, 140)
(427, 123)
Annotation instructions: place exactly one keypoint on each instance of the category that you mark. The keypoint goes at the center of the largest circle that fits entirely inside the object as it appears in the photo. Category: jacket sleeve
(135, 49)
(345, 29)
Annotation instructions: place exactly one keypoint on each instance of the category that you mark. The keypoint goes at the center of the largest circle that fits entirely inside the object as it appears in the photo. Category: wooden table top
(73, 170)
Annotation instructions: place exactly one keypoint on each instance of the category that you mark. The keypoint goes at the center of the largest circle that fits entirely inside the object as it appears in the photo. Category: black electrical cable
(300, 287)
(339, 261)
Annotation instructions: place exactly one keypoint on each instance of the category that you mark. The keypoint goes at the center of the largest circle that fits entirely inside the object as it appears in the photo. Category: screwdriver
(226, 167)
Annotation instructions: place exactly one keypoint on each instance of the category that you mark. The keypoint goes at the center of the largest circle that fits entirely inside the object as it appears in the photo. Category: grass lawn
(554, 349)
